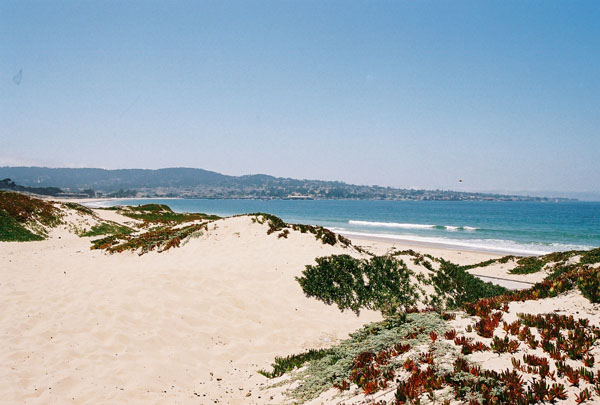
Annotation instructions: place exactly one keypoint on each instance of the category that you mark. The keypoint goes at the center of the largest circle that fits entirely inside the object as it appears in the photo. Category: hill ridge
(200, 183)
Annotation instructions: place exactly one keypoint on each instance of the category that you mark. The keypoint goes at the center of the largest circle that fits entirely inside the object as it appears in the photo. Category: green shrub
(275, 223)
(590, 286)
(78, 207)
(153, 208)
(12, 231)
(480, 264)
(528, 265)
(331, 367)
(107, 228)
(505, 259)
(381, 283)
(160, 239)
(560, 256)
(284, 364)
(590, 256)
(25, 209)
(20, 213)
(324, 235)
(161, 214)
(455, 287)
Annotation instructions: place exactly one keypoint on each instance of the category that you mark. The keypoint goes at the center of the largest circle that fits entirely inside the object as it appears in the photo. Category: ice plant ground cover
(23, 218)
(425, 354)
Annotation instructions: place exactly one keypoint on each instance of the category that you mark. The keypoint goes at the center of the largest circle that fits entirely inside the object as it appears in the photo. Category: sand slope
(190, 325)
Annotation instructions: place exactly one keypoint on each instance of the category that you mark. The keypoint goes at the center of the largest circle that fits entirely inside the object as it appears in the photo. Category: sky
(502, 95)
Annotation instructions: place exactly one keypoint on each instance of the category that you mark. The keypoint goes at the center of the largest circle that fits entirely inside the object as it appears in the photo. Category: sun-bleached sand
(85, 326)
(190, 325)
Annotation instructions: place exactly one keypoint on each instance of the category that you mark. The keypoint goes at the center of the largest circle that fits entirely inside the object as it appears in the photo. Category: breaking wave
(487, 245)
(410, 226)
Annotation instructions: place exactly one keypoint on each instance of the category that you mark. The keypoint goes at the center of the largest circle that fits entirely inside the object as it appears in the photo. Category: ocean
(527, 228)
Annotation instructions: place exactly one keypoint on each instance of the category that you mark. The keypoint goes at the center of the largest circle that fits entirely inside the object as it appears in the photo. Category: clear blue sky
(504, 95)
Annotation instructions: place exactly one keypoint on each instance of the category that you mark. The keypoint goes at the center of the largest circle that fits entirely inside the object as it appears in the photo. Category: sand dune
(84, 326)
(192, 324)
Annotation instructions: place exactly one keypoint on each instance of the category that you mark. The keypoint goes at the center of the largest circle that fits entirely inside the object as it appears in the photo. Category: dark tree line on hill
(8, 184)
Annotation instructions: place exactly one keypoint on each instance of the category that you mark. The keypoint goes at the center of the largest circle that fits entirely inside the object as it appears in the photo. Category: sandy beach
(192, 324)
(85, 326)
(299, 203)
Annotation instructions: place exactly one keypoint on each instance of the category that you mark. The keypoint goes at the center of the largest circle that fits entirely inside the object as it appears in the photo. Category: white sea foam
(409, 226)
(489, 245)
(391, 224)
(98, 204)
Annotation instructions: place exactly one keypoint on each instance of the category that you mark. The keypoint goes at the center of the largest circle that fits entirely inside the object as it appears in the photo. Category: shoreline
(527, 249)
(415, 245)
(458, 255)
(85, 201)
(198, 321)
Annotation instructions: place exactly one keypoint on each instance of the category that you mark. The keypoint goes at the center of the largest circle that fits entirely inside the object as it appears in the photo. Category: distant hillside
(199, 183)
(8, 184)
(107, 180)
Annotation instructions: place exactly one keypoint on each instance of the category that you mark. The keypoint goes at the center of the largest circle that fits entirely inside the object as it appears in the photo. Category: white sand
(190, 325)
(84, 326)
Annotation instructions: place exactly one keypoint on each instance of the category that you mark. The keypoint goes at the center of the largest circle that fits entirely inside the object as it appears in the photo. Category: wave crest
(410, 226)
(486, 245)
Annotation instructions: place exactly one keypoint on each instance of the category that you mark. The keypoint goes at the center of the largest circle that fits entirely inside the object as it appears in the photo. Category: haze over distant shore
(200, 183)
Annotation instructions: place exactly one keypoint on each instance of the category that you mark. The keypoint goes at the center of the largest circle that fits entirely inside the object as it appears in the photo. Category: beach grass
(277, 224)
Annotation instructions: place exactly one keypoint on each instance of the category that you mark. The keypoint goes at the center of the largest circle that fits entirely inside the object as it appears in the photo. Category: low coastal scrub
(431, 360)
(589, 285)
(79, 208)
(408, 357)
(534, 264)
(13, 231)
(385, 283)
(455, 287)
(160, 214)
(324, 235)
(159, 239)
(381, 283)
(525, 265)
(549, 288)
(107, 228)
(590, 256)
(528, 265)
(276, 224)
(25, 218)
(163, 229)
(369, 358)
(284, 364)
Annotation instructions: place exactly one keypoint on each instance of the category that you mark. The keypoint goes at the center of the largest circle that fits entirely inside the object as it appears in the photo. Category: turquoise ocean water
(508, 227)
